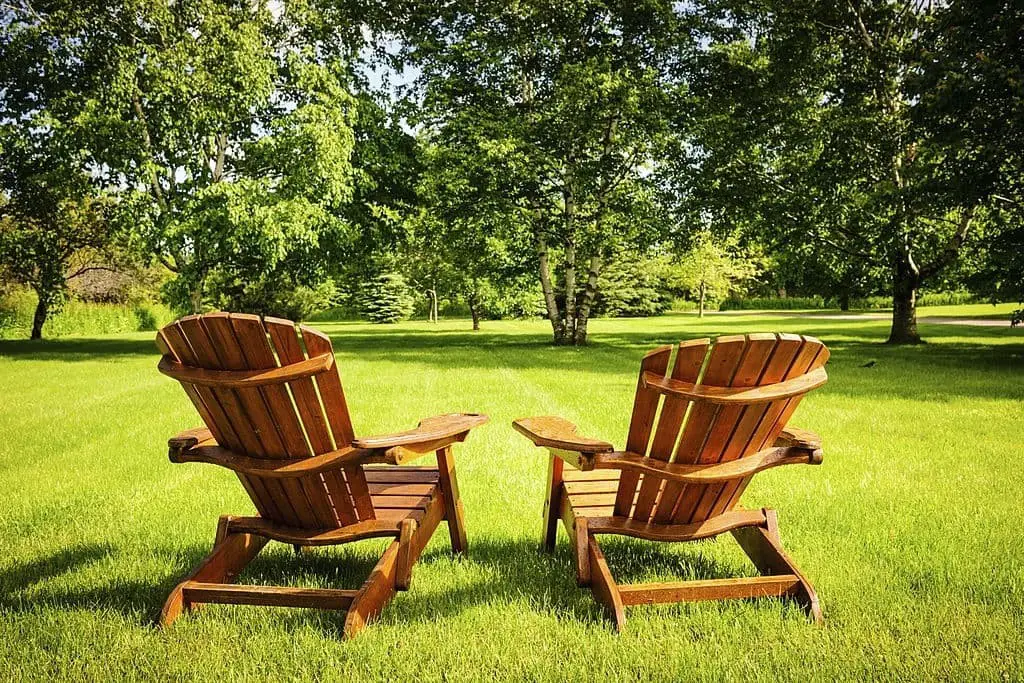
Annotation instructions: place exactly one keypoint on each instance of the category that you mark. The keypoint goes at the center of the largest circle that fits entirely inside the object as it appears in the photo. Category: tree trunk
(589, 294)
(432, 305)
(39, 319)
(904, 304)
(550, 304)
(700, 300)
(844, 301)
(474, 308)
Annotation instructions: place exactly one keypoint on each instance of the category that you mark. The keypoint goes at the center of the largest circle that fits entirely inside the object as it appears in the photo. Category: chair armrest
(276, 468)
(188, 439)
(558, 434)
(431, 434)
(708, 474)
(794, 437)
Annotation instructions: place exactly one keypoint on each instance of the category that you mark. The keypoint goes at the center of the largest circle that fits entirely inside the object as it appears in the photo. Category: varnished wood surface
(737, 395)
(429, 430)
(276, 415)
(698, 433)
(244, 379)
(558, 433)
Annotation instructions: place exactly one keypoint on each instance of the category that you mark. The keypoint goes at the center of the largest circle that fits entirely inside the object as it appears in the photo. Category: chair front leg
(232, 551)
(552, 503)
(452, 501)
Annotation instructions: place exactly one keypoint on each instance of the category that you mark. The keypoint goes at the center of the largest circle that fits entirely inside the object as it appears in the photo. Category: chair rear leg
(763, 547)
(231, 553)
(452, 501)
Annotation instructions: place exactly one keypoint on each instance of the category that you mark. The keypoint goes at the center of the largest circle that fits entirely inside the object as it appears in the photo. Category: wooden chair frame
(239, 539)
(756, 531)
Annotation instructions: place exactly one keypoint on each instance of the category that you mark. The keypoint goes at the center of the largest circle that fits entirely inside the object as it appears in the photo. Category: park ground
(911, 530)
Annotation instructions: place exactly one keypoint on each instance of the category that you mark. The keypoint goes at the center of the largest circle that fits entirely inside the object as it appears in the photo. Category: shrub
(17, 306)
(386, 299)
(788, 303)
(633, 288)
(948, 299)
(515, 301)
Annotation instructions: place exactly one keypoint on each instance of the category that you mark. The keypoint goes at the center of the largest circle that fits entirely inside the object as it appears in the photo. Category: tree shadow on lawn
(77, 349)
(515, 571)
(914, 372)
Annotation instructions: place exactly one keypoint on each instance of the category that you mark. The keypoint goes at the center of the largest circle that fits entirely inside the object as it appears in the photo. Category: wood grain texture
(727, 404)
(454, 513)
(709, 589)
(559, 433)
(276, 415)
(688, 363)
(645, 407)
(429, 430)
(605, 589)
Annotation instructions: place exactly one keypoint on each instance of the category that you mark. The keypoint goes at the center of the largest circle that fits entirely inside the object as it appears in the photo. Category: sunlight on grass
(910, 531)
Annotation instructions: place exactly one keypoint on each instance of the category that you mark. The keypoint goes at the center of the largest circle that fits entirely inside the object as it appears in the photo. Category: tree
(386, 299)
(812, 125)
(222, 127)
(53, 226)
(709, 269)
(635, 285)
(972, 87)
(559, 113)
(466, 244)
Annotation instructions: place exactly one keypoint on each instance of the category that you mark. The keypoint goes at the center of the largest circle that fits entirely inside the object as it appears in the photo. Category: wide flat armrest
(189, 439)
(555, 432)
(795, 437)
(431, 434)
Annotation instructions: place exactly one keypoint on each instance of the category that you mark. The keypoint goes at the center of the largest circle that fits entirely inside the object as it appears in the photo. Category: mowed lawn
(912, 531)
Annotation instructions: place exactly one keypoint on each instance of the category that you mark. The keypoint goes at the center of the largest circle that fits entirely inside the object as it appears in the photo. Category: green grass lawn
(911, 531)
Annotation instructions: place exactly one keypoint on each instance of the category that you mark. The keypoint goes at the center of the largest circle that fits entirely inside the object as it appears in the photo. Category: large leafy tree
(558, 111)
(815, 128)
(224, 128)
(53, 226)
(972, 90)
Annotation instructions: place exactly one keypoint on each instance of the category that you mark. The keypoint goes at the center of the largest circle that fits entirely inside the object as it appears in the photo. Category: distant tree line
(537, 158)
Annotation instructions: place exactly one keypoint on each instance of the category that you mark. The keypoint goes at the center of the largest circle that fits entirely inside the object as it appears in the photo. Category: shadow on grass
(78, 349)
(917, 372)
(513, 571)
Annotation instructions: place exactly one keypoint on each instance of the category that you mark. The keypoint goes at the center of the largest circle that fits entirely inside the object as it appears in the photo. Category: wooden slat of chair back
(300, 418)
(700, 432)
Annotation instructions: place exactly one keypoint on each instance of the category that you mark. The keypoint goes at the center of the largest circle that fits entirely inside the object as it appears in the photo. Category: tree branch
(952, 247)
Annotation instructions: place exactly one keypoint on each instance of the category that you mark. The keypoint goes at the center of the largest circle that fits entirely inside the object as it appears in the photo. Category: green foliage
(551, 116)
(789, 303)
(857, 303)
(78, 318)
(224, 132)
(825, 133)
(517, 301)
(712, 269)
(386, 299)
(634, 287)
(278, 294)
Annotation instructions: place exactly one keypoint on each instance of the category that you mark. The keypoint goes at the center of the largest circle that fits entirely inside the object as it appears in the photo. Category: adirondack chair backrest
(700, 432)
(294, 419)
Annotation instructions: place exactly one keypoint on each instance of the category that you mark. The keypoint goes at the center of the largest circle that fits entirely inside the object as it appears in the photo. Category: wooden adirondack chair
(276, 416)
(726, 403)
